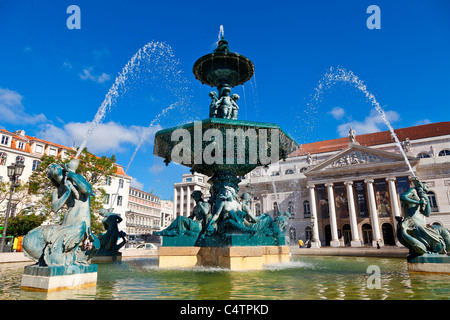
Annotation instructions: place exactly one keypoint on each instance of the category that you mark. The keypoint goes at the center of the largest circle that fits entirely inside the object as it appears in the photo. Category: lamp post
(15, 170)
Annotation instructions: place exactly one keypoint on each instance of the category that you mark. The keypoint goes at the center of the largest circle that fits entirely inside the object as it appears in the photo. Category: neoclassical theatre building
(345, 192)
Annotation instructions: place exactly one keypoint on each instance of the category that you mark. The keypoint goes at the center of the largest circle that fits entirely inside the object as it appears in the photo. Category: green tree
(95, 169)
(21, 224)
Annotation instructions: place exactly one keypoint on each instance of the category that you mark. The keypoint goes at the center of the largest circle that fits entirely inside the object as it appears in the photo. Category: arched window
(289, 171)
(444, 153)
(303, 169)
(423, 155)
(291, 209)
(306, 209)
(308, 233)
(258, 209)
(3, 157)
(433, 203)
(275, 173)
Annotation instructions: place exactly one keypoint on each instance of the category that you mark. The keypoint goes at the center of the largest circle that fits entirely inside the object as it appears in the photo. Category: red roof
(377, 138)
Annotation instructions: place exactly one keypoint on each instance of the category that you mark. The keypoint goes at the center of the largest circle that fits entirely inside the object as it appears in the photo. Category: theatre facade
(346, 192)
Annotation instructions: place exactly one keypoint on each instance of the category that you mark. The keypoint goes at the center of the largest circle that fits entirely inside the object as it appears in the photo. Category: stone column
(175, 202)
(394, 205)
(188, 209)
(182, 201)
(356, 241)
(333, 224)
(373, 213)
(315, 241)
(393, 196)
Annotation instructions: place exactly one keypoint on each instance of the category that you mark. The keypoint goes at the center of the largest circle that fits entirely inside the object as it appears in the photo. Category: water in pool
(303, 278)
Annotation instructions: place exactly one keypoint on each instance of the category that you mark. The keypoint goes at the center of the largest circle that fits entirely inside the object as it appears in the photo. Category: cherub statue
(225, 104)
(213, 106)
(234, 110)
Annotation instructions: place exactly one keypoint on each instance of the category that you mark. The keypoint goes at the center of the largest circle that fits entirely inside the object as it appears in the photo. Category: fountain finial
(222, 46)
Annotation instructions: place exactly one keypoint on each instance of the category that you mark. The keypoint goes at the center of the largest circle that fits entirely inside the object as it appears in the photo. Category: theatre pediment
(359, 158)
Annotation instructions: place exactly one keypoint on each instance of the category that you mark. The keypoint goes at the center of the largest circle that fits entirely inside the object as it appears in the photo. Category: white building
(182, 201)
(363, 179)
(167, 213)
(143, 216)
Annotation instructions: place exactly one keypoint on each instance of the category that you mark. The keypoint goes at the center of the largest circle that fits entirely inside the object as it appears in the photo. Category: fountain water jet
(153, 52)
(340, 74)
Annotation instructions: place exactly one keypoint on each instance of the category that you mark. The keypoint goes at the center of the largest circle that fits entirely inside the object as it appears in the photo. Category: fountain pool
(305, 277)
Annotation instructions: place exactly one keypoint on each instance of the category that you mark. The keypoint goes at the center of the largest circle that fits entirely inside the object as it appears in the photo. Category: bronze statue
(413, 232)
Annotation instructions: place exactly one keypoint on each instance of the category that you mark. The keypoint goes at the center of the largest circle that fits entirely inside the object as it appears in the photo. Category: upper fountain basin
(217, 145)
(219, 68)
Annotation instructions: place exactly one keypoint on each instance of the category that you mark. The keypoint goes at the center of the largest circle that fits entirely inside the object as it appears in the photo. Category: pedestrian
(378, 245)
(300, 243)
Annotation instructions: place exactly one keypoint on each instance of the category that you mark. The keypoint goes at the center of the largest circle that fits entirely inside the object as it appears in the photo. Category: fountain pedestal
(430, 263)
(232, 258)
(48, 279)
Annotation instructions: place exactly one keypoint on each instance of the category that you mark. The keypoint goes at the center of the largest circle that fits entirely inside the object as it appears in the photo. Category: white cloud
(372, 123)
(13, 111)
(337, 113)
(87, 74)
(107, 137)
(136, 184)
(421, 122)
(156, 168)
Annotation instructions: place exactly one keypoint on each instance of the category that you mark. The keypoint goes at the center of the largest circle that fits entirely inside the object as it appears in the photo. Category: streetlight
(15, 170)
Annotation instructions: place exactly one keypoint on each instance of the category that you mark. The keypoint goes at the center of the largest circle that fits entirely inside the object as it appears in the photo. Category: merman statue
(72, 241)
(413, 231)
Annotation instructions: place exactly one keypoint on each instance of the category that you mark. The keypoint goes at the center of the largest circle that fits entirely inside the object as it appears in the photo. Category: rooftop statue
(72, 241)
(413, 232)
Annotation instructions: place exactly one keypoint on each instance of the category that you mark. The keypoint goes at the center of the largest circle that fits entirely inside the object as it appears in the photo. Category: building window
(52, 152)
(20, 145)
(38, 149)
(188, 179)
(423, 155)
(289, 171)
(308, 233)
(291, 209)
(108, 181)
(303, 169)
(432, 199)
(306, 209)
(258, 209)
(5, 140)
(120, 183)
(20, 159)
(36, 164)
(444, 153)
(275, 209)
(119, 201)
(275, 173)
(3, 157)
(106, 199)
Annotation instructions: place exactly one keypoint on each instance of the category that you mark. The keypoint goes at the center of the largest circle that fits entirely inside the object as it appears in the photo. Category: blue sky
(53, 80)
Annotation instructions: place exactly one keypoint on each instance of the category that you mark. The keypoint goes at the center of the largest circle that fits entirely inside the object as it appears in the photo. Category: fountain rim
(245, 123)
(223, 55)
